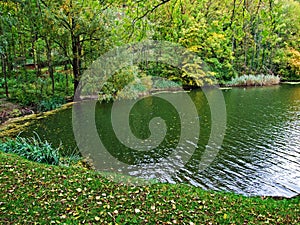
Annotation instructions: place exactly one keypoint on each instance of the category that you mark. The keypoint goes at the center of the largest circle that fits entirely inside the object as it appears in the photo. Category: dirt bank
(12, 110)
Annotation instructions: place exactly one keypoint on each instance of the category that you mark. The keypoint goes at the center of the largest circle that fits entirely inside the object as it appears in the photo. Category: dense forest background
(45, 45)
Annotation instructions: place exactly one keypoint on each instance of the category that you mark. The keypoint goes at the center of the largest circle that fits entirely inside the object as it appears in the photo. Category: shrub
(51, 103)
(24, 98)
(165, 84)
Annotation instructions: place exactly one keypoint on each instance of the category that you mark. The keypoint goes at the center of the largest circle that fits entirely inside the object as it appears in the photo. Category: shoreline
(12, 125)
(7, 116)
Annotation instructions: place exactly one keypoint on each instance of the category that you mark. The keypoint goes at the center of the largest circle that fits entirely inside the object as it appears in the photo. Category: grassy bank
(32, 192)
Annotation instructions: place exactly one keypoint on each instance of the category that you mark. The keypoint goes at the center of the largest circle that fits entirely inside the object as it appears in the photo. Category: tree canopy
(233, 37)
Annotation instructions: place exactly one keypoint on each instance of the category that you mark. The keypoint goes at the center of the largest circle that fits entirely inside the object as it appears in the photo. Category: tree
(82, 21)
(7, 37)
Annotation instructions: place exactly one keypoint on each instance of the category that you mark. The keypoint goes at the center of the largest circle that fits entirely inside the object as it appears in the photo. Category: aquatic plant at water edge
(254, 80)
(32, 149)
(36, 150)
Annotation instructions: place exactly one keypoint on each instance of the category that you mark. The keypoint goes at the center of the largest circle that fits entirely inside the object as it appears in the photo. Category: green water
(260, 154)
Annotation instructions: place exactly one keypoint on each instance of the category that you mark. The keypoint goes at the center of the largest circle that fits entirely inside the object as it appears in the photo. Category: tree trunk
(245, 39)
(35, 61)
(50, 66)
(76, 63)
(67, 77)
(4, 64)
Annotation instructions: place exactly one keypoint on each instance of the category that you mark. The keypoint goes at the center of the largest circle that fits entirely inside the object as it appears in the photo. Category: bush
(165, 84)
(24, 97)
(51, 103)
(128, 83)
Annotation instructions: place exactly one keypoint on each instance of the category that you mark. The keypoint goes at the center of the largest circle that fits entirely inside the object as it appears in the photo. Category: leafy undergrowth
(43, 194)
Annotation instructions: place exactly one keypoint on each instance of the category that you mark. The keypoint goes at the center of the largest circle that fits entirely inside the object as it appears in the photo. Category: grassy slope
(31, 192)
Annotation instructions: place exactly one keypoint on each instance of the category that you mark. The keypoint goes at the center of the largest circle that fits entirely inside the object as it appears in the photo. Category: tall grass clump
(255, 80)
(36, 150)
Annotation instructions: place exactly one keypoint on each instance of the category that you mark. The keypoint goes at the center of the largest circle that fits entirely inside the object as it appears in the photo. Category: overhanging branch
(146, 13)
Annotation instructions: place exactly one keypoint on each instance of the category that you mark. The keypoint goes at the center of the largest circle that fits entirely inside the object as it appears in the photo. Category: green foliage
(231, 37)
(123, 84)
(51, 103)
(28, 90)
(211, 44)
(36, 150)
(116, 83)
(24, 97)
(164, 84)
(71, 157)
(157, 69)
(2, 81)
(138, 87)
(32, 149)
(291, 67)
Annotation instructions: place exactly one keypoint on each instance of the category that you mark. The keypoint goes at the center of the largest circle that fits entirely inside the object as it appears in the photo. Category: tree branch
(149, 11)
(145, 14)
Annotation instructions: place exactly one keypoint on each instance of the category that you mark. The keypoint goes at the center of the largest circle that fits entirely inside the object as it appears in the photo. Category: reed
(255, 80)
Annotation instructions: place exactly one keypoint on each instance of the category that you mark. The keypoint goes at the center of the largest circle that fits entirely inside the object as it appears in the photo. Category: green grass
(38, 193)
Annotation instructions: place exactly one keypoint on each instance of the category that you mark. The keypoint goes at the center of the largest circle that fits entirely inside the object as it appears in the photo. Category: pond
(260, 154)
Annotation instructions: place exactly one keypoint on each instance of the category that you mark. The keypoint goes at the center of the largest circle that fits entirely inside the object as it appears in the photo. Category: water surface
(260, 154)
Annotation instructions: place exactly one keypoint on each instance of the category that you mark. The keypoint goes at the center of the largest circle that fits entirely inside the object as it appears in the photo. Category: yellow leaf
(137, 210)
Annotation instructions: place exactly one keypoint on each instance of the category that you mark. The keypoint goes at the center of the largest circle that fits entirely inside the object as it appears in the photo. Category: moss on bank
(32, 192)
(14, 126)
